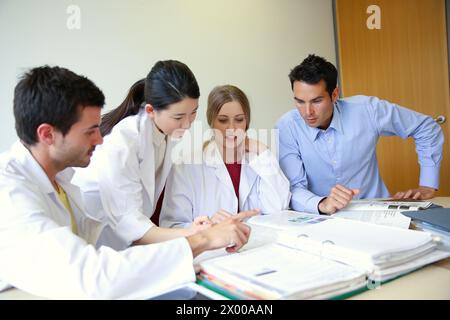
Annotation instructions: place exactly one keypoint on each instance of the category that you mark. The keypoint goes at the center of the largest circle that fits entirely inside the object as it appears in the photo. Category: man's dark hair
(52, 95)
(312, 70)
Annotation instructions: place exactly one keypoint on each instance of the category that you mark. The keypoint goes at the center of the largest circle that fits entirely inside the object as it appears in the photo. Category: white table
(431, 282)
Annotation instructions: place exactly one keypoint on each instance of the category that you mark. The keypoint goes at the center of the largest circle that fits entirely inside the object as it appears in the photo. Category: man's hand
(339, 197)
(230, 233)
(421, 193)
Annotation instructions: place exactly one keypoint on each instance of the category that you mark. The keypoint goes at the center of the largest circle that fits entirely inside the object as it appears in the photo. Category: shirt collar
(158, 136)
(38, 174)
(335, 124)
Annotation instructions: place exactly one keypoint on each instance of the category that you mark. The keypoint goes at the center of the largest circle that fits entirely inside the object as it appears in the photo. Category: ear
(335, 94)
(46, 133)
(150, 110)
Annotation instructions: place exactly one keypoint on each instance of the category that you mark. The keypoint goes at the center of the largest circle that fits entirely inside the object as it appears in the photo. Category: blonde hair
(223, 94)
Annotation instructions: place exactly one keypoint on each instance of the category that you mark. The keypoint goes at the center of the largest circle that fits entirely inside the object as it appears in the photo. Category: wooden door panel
(404, 62)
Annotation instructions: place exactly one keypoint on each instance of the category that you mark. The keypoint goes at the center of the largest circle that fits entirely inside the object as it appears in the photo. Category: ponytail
(129, 106)
(168, 82)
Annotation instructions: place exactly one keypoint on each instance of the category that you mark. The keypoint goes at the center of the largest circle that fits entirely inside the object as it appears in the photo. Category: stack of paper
(277, 272)
(317, 257)
(385, 252)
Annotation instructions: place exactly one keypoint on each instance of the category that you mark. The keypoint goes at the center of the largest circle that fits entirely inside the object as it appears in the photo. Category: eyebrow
(300, 100)
(93, 127)
(224, 115)
(182, 114)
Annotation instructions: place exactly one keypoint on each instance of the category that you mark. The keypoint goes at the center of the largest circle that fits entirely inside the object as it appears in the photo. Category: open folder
(316, 257)
(382, 211)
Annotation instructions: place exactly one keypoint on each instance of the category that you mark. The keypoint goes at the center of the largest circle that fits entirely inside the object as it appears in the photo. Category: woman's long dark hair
(168, 82)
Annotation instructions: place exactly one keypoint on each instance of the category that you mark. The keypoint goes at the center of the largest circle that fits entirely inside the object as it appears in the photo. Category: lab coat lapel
(72, 191)
(147, 155)
(34, 170)
(167, 164)
(214, 159)
(248, 179)
(89, 228)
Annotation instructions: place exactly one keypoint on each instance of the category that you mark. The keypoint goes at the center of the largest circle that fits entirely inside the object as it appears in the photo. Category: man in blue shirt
(328, 145)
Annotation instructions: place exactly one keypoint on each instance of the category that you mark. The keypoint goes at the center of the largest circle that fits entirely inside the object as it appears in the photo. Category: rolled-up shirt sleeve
(391, 119)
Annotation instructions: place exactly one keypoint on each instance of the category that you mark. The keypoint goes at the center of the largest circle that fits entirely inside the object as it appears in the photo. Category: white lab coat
(39, 253)
(120, 183)
(193, 190)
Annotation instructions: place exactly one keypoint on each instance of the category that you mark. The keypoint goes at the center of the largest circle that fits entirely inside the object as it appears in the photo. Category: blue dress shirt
(315, 160)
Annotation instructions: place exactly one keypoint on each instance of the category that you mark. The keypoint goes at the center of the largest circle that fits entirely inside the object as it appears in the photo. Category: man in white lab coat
(47, 241)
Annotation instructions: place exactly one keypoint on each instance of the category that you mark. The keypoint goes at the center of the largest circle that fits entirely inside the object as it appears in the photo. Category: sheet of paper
(259, 236)
(383, 217)
(355, 242)
(286, 220)
(393, 272)
(292, 270)
(383, 204)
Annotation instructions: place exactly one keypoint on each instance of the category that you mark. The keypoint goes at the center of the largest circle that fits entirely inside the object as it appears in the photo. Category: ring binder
(436, 239)
(301, 235)
(324, 262)
(322, 244)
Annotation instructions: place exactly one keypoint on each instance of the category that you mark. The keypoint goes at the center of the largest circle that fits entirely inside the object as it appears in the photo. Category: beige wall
(249, 43)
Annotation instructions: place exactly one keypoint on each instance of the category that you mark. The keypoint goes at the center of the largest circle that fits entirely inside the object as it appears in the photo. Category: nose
(98, 138)
(309, 109)
(186, 124)
(233, 125)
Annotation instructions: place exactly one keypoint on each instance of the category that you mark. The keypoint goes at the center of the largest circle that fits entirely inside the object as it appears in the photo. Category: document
(286, 219)
(368, 246)
(390, 218)
(306, 256)
(288, 274)
(386, 212)
(387, 204)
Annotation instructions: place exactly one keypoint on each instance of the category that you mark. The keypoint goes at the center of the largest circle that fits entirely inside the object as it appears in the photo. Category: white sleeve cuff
(132, 227)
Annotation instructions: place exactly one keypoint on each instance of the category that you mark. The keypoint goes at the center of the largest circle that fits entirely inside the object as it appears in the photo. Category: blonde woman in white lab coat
(236, 173)
(128, 172)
